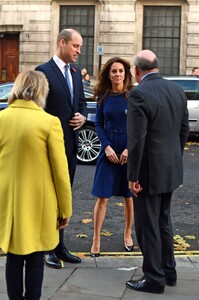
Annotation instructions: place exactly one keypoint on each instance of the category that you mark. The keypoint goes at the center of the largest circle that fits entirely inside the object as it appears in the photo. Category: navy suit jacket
(157, 132)
(59, 103)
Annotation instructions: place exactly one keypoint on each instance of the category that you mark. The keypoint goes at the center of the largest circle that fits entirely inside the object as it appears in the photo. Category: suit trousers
(72, 163)
(34, 270)
(154, 233)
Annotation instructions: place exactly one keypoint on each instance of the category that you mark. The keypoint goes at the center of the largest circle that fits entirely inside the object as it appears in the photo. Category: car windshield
(191, 88)
(5, 91)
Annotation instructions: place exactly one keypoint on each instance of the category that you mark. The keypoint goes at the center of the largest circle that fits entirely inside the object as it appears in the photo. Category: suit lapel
(61, 78)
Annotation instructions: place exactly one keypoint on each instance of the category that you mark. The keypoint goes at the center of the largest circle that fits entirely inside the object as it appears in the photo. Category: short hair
(66, 35)
(145, 65)
(196, 68)
(30, 85)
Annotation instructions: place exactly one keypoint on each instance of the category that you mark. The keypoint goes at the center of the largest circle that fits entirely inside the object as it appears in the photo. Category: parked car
(88, 143)
(190, 84)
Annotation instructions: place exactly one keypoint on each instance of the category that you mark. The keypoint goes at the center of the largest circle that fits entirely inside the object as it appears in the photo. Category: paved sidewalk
(104, 278)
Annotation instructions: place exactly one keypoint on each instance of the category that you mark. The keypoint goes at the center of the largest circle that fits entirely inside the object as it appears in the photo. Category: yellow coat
(35, 187)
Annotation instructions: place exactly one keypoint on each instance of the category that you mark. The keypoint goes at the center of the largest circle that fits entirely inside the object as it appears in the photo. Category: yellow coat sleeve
(59, 166)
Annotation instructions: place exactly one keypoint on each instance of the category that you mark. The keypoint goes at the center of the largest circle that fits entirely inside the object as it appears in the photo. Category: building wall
(118, 26)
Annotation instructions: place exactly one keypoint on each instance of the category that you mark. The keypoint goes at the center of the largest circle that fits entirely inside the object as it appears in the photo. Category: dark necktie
(68, 82)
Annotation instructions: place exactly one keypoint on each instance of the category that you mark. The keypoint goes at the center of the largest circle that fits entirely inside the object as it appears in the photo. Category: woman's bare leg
(99, 215)
(129, 218)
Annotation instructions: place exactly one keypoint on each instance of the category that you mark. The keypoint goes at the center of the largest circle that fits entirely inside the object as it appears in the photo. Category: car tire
(89, 145)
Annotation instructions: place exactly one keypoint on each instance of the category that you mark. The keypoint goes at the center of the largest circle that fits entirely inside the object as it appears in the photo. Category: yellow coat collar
(25, 104)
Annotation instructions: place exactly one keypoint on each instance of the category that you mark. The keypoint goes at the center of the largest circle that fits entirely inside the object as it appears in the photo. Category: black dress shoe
(66, 256)
(52, 261)
(144, 286)
(171, 281)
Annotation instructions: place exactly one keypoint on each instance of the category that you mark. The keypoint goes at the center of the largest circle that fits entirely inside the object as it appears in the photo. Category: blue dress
(111, 121)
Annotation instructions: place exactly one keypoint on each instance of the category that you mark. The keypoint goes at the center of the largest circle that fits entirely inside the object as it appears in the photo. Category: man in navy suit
(66, 101)
(157, 132)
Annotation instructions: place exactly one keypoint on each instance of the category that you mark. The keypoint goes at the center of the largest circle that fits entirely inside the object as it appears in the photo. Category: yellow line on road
(136, 254)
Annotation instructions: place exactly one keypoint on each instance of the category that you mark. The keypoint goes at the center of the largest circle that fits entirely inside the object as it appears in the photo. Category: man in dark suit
(157, 132)
(66, 100)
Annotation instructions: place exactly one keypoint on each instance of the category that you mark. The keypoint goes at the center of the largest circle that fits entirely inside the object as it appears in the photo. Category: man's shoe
(144, 286)
(66, 256)
(171, 281)
(52, 261)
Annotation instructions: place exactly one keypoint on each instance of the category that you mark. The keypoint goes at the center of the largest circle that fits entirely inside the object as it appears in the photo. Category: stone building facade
(28, 31)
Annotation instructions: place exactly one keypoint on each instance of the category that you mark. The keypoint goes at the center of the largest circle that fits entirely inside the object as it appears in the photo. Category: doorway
(9, 57)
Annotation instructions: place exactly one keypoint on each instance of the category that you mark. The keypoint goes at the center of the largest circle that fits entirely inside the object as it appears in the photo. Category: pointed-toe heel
(129, 248)
(94, 254)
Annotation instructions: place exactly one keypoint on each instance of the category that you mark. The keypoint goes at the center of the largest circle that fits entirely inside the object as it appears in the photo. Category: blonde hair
(30, 85)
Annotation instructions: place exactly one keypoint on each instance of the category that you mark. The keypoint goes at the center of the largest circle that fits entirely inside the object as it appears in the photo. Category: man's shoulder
(46, 65)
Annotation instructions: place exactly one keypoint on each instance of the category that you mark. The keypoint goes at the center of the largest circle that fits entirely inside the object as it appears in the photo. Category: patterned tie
(68, 82)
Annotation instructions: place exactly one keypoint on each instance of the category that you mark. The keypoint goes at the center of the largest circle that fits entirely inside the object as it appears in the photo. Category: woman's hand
(124, 157)
(111, 155)
(63, 223)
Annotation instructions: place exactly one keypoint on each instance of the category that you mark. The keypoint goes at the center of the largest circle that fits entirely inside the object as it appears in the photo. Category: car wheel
(88, 145)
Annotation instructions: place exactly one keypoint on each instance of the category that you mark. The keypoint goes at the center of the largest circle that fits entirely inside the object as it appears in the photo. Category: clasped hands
(113, 157)
(77, 121)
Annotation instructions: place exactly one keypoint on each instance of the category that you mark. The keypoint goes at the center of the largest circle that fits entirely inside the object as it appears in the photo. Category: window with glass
(81, 18)
(161, 34)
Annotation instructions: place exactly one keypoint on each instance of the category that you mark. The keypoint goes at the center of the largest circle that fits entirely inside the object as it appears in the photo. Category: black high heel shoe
(94, 254)
(129, 248)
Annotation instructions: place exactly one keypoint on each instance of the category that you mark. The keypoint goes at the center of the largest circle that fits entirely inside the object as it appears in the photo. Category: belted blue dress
(111, 124)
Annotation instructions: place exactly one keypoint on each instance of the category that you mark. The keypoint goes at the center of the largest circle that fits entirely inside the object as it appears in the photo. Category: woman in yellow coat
(35, 198)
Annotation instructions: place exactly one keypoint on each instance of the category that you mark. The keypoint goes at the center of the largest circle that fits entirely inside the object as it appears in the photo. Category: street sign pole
(100, 52)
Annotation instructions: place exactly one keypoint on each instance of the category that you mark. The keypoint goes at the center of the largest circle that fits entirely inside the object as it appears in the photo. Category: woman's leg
(129, 218)
(34, 275)
(14, 276)
(99, 215)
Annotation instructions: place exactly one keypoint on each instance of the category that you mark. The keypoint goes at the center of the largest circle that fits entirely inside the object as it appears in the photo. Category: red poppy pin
(73, 69)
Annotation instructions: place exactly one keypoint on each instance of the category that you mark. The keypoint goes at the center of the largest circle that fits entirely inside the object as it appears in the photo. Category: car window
(4, 91)
(191, 88)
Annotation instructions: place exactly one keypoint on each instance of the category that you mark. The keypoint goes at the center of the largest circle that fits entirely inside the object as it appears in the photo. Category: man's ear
(62, 43)
(137, 71)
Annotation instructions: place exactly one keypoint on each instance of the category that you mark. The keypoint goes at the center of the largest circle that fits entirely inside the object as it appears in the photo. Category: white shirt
(61, 65)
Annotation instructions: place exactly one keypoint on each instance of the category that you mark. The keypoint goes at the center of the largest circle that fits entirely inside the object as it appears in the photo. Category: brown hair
(104, 86)
(66, 35)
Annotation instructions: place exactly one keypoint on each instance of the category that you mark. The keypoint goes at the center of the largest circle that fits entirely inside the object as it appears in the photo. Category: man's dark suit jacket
(59, 103)
(157, 132)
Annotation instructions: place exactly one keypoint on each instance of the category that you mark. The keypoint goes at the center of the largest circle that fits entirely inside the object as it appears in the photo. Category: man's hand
(63, 223)
(77, 121)
(135, 187)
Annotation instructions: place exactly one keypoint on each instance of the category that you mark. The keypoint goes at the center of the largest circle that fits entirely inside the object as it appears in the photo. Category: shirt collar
(60, 63)
(155, 72)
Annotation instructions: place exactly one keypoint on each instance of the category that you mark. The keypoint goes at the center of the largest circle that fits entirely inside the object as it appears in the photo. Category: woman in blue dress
(111, 91)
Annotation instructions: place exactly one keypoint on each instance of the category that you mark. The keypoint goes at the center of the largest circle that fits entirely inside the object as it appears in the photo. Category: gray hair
(145, 65)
